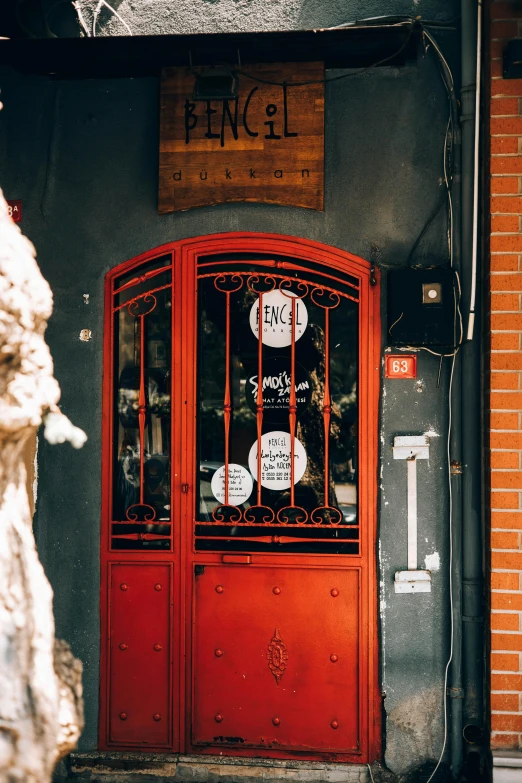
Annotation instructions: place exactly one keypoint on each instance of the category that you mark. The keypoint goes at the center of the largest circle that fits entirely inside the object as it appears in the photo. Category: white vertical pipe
(474, 250)
(412, 514)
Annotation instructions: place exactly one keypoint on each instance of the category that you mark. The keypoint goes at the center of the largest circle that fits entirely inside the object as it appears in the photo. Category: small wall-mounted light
(216, 84)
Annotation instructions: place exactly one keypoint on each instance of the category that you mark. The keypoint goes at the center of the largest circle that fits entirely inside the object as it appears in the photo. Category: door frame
(185, 254)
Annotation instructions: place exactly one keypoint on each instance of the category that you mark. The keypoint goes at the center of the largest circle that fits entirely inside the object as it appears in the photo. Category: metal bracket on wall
(411, 448)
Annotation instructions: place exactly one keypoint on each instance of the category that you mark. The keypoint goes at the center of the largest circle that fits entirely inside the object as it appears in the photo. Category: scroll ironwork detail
(277, 656)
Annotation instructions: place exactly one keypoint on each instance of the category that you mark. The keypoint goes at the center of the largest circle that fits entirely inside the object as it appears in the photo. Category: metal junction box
(421, 308)
(512, 60)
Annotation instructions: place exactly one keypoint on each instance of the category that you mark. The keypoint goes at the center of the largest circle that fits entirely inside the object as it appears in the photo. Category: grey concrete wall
(414, 628)
(156, 17)
(83, 156)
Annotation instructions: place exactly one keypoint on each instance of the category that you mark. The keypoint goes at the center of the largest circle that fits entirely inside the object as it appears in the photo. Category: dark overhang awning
(135, 56)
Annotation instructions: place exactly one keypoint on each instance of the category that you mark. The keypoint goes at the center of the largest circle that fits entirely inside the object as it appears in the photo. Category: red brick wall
(505, 416)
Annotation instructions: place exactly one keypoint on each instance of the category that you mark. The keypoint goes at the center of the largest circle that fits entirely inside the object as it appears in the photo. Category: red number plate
(401, 366)
(15, 209)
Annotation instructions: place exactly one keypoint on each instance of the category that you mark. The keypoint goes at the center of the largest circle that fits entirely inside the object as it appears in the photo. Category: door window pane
(325, 360)
(142, 421)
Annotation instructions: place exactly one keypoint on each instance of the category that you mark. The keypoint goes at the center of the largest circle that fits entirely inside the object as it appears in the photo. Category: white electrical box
(412, 582)
(411, 447)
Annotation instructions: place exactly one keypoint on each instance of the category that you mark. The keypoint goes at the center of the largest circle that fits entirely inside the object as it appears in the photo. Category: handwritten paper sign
(240, 484)
(276, 318)
(266, 146)
(275, 460)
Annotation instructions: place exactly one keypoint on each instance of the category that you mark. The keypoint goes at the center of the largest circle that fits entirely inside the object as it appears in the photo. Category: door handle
(236, 558)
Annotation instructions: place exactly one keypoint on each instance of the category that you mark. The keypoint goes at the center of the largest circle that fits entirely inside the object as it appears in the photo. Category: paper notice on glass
(276, 318)
(275, 460)
(240, 484)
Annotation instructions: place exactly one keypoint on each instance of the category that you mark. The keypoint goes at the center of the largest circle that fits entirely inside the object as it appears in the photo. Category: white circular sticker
(240, 484)
(275, 460)
(276, 319)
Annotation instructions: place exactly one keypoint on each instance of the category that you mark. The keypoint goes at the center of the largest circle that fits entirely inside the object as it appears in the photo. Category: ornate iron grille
(141, 304)
(302, 513)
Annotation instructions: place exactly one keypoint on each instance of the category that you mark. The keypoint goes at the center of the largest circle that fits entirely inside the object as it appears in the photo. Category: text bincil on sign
(266, 145)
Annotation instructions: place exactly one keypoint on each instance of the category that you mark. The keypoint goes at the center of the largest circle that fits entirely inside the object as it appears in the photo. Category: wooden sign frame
(265, 146)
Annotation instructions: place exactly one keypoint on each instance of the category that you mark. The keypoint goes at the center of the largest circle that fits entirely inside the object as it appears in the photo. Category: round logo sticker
(276, 318)
(275, 460)
(240, 484)
(276, 389)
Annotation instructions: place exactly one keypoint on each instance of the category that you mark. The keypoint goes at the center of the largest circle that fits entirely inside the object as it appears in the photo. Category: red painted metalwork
(236, 282)
(140, 536)
(139, 307)
(311, 594)
(333, 515)
(136, 299)
(267, 515)
(142, 278)
(284, 515)
(140, 678)
(276, 659)
(148, 513)
(281, 265)
(282, 278)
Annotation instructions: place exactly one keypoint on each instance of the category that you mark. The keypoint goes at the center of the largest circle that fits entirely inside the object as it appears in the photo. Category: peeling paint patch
(432, 562)
(431, 434)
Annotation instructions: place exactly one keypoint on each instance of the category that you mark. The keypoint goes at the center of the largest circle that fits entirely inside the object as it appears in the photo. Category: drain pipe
(455, 690)
(472, 578)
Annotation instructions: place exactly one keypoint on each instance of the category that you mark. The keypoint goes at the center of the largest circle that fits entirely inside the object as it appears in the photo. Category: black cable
(333, 78)
(447, 80)
(413, 24)
(446, 76)
(399, 19)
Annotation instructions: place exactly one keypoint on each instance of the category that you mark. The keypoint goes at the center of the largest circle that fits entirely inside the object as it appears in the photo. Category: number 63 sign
(402, 366)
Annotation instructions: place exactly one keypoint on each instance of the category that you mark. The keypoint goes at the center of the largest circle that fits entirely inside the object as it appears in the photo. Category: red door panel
(140, 654)
(276, 658)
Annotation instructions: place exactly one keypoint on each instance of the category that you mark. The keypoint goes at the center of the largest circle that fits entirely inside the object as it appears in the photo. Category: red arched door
(240, 436)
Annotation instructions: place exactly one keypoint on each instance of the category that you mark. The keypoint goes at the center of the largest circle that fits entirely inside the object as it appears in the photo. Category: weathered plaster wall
(414, 628)
(83, 157)
(157, 17)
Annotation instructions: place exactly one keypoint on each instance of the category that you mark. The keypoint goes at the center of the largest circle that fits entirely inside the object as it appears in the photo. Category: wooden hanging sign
(265, 146)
